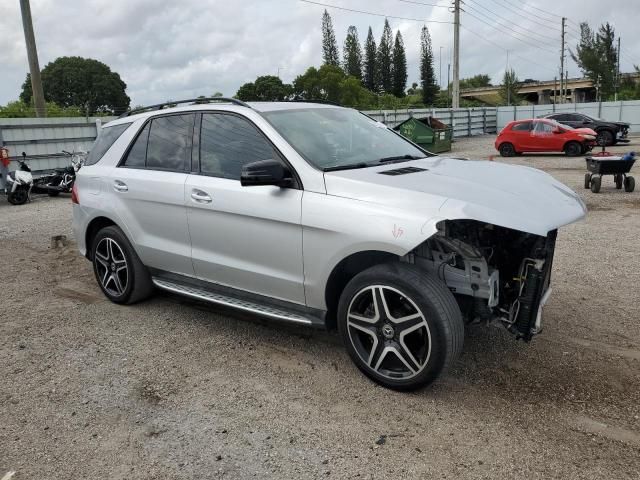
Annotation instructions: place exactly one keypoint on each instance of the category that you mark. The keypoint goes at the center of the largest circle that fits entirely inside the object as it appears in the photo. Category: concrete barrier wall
(43, 139)
(624, 111)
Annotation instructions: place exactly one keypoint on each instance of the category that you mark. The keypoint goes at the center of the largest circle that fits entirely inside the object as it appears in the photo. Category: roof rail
(314, 100)
(192, 101)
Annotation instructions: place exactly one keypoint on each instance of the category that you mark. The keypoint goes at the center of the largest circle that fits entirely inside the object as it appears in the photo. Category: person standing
(4, 167)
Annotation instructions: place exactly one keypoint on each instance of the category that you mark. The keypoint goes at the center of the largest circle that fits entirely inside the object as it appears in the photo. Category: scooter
(19, 183)
(63, 178)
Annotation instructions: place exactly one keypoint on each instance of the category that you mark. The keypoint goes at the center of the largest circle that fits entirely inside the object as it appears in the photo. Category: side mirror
(265, 172)
(586, 121)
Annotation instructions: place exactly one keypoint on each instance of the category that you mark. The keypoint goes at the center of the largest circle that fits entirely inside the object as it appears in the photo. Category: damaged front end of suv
(498, 275)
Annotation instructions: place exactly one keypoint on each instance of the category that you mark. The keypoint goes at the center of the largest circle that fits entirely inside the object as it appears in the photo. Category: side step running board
(271, 311)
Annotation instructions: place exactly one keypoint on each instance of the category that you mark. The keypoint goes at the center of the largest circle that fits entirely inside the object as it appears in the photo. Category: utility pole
(441, 67)
(32, 55)
(448, 83)
(506, 72)
(617, 72)
(562, 45)
(455, 103)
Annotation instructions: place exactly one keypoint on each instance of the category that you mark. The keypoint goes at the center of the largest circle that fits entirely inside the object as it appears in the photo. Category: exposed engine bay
(496, 274)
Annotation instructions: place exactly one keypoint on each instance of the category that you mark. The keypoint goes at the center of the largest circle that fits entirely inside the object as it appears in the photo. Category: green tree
(352, 54)
(509, 88)
(81, 82)
(477, 81)
(19, 109)
(596, 55)
(370, 66)
(384, 60)
(427, 73)
(267, 88)
(399, 67)
(330, 54)
(320, 84)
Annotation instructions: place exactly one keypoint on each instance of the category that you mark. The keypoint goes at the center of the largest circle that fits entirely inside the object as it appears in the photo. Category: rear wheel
(629, 184)
(401, 326)
(618, 178)
(605, 137)
(595, 184)
(573, 149)
(587, 180)
(507, 150)
(120, 273)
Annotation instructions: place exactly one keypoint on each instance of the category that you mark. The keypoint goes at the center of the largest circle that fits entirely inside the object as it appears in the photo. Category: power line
(528, 60)
(508, 20)
(510, 34)
(421, 20)
(525, 5)
(536, 38)
(520, 13)
(425, 4)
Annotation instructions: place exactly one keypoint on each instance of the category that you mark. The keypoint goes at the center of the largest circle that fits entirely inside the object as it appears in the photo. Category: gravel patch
(174, 389)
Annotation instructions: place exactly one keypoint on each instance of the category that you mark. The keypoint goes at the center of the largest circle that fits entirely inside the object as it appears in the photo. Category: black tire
(605, 137)
(587, 180)
(507, 149)
(629, 184)
(573, 149)
(430, 342)
(596, 181)
(110, 251)
(619, 180)
(19, 197)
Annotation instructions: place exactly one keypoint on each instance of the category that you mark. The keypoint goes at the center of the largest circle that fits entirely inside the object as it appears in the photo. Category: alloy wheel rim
(389, 332)
(111, 266)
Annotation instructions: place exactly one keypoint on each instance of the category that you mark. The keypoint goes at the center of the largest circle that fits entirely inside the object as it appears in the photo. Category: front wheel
(629, 184)
(596, 182)
(120, 273)
(587, 180)
(573, 149)
(18, 197)
(605, 137)
(400, 325)
(507, 150)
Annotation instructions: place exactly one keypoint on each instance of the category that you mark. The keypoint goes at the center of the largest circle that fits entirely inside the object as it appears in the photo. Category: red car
(543, 135)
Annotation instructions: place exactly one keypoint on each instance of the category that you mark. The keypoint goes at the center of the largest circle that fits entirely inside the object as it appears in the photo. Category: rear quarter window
(106, 137)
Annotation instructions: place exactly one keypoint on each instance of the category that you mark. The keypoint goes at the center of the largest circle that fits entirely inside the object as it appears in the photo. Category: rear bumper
(80, 222)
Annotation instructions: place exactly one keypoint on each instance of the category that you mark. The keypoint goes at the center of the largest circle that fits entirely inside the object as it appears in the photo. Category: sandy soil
(171, 389)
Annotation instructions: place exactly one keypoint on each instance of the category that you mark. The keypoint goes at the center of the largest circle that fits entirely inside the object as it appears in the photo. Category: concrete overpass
(579, 90)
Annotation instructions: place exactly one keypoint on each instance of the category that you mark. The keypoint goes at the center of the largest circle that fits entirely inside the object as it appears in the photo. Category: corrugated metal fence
(43, 139)
(465, 121)
(625, 111)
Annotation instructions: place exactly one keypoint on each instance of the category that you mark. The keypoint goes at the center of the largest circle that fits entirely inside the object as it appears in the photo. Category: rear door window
(106, 137)
(163, 144)
(521, 127)
(170, 139)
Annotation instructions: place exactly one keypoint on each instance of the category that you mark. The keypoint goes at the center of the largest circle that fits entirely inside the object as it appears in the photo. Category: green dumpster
(429, 132)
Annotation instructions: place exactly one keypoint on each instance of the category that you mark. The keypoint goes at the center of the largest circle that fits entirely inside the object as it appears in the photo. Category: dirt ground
(172, 389)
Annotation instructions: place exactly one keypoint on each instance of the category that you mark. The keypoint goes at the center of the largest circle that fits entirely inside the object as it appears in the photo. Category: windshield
(561, 125)
(339, 138)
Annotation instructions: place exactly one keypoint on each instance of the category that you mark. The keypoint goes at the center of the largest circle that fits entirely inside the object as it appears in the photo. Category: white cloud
(165, 49)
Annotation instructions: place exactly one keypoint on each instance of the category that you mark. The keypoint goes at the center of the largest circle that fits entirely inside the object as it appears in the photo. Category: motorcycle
(63, 179)
(19, 183)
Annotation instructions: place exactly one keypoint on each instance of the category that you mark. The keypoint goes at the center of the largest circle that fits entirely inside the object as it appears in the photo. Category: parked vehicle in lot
(63, 179)
(19, 183)
(320, 216)
(608, 133)
(541, 135)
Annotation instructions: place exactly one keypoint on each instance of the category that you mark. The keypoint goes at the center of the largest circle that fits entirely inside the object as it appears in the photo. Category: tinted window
(169, 146)
(138, 153)
(106, 138)
(227, 142)
(519, 127)
(543, 127)
(560, 117)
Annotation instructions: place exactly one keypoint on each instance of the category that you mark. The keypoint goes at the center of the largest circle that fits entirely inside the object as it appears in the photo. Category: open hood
(516, 197)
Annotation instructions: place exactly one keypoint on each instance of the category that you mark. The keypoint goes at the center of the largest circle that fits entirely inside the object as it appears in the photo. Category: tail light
(74, 194)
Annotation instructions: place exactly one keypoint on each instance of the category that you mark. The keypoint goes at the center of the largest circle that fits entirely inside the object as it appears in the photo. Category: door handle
(120, 186)
(200, 197)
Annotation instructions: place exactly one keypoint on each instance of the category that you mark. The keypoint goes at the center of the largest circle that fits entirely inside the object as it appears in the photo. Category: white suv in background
(319, 215)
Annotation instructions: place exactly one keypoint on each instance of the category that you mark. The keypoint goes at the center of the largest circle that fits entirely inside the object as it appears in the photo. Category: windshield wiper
(347, 166)
(399, 158)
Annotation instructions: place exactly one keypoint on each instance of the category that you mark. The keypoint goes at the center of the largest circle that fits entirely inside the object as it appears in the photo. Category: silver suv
(321, 216)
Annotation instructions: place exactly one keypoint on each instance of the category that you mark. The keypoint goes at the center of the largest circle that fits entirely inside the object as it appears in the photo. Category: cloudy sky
(183, 48)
